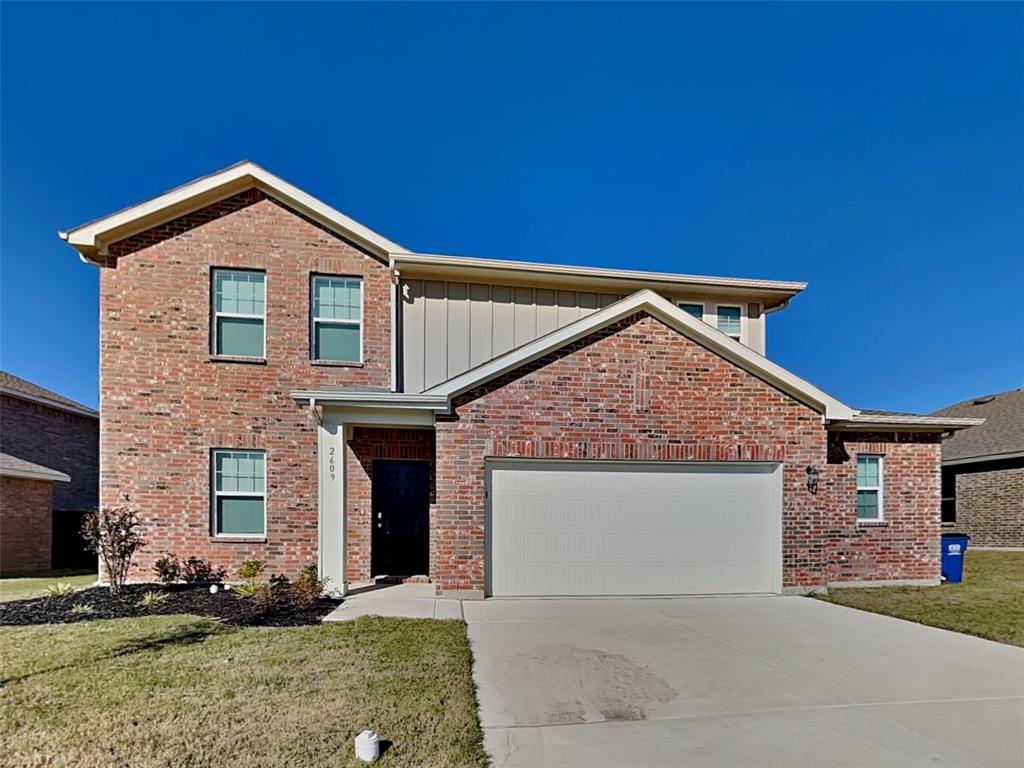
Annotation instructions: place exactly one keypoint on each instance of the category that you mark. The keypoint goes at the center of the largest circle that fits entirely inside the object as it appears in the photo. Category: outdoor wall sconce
(812, 480)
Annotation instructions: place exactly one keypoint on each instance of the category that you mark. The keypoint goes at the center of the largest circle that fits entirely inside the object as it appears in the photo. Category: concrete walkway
(745, 681)
(409, 601)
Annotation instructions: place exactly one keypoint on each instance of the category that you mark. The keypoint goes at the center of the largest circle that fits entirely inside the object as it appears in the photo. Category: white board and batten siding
(450, 327)
(617, 528)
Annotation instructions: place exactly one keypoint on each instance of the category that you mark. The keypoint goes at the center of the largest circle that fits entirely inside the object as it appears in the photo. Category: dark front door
(401, 518)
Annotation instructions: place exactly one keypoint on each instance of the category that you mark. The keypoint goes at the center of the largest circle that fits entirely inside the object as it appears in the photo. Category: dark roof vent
(983, 400)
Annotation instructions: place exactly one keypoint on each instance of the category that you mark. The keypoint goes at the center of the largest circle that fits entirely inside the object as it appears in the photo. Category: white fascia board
(659, 307)
(436, 260)
(905, 422)
(42, 474)
(94, 237)
(372, 400)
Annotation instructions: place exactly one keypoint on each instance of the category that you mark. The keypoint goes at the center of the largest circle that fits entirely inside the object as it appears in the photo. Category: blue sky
(875, 151)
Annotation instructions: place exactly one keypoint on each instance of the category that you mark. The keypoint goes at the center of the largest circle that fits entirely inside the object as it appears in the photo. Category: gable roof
(1001, 436)
(15, 386)
(12, 466)
(92, 239)
(836, 414)
(655, 305)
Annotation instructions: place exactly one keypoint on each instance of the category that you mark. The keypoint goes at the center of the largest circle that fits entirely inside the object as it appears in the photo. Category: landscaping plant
(60, 589)
(167, 569)
(114, 534)
(153, 597)
(198, 571)
(250, 587)
(308, 587)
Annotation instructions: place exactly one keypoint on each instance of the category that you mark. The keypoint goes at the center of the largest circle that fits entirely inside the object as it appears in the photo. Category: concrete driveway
(738, 681)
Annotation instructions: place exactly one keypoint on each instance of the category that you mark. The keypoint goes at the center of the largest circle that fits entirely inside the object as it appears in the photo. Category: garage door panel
(613, 529)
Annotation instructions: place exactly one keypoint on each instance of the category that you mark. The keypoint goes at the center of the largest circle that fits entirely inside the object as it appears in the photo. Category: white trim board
(676, 318)
(91, 240)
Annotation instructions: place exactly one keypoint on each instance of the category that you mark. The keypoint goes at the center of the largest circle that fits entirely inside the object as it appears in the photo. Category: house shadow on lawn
(179, 635)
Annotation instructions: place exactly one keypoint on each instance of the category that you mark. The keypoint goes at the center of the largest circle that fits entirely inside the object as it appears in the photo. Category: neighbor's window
(337, 309)
(869, 488)
(239, 493)
(729, 321)
(239, 309)
(697, 310)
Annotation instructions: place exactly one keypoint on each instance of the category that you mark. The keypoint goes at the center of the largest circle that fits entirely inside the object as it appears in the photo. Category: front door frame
(334, 426)
(379, 565)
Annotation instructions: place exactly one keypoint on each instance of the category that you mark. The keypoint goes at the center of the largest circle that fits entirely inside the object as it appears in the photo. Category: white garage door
(612, 528)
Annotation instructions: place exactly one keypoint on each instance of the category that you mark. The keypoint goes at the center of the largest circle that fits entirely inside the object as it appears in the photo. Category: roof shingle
(16, 385)
(1001, 434)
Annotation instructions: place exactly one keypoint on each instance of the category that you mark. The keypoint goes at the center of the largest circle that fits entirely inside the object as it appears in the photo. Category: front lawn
(988, 603)
(188, 691)
(22, 588)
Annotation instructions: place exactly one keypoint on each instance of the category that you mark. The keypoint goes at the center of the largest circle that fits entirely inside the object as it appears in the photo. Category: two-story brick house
(280, 381)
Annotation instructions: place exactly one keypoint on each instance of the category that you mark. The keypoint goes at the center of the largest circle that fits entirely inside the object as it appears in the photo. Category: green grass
(988, 603)
(184, 691)
(22, 588)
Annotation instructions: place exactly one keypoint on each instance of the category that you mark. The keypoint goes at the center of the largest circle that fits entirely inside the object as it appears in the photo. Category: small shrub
(308, 587)
(251, 568)
(257, 589)
(114, 534)
(197, 571)
(167, 569)
(153, 597)
(60, 589)
(82, 609)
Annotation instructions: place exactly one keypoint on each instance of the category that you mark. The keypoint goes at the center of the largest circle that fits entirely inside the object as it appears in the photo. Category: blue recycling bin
(953, 547)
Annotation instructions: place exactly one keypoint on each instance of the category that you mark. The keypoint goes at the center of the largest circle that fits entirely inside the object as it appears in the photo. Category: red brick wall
(905, 544)
(56, 439)
(25, 524)
(366, 445)
(166, 403)
(639, 390)
(990, 506)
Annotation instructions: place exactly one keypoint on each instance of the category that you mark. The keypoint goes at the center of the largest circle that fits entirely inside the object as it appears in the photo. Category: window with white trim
(694, 310)
(869, 489)
(239, 313)
(337, 319)
(239, 493)
(730, 321)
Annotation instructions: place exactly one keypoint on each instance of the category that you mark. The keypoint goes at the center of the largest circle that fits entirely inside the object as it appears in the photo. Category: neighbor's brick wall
(366, 445)
(905, 544)
(639, 390)
(25, 524)
(990, 507)
(56, 439)
(166, 403)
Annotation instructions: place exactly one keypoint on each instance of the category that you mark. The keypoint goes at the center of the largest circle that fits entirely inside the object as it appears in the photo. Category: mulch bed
(280, 611)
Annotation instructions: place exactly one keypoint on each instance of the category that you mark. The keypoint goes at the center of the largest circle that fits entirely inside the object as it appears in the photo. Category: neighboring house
(983, 471)
(50, 471)
(279, 381)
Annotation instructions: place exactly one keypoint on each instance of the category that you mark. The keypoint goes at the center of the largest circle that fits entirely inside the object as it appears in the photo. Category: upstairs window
(869, 488)
(695, 310)
(729, 321)
(337, 309)
(239, 493)
(239, 309)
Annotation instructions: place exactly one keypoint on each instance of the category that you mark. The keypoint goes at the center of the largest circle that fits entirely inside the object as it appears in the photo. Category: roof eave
(779, 290)
(659, 307)
(871, 422)
(93, 239)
